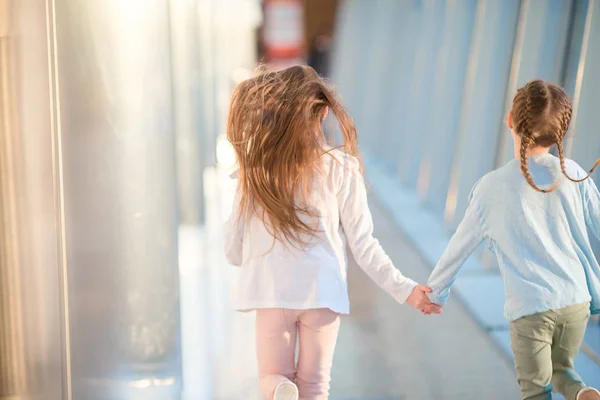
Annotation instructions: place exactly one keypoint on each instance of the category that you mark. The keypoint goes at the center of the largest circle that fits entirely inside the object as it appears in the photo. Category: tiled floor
(385, 351)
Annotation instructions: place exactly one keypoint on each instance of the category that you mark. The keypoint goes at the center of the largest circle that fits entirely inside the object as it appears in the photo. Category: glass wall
(430, 87)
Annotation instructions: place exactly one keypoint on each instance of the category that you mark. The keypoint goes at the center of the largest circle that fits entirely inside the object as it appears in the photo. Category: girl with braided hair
(537, 213)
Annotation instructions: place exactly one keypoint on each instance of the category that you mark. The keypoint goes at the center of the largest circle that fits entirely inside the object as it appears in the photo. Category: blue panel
(585, 140)
(393, 109)
(418, 99)
(386, 76)
(378, 68)
(342, 48)
(575, 42)
(483, 107)
(544, 45)
(348, 51)
(341, 61)
(586, 137)
(362, 41)
(442, 125)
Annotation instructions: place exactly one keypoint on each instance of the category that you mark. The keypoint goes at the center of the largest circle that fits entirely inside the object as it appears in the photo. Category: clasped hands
(419, 300)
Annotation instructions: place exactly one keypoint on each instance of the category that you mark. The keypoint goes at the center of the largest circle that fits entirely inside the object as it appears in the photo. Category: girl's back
(540, 239)
(303, 275)
(299, 200)
(537, 213)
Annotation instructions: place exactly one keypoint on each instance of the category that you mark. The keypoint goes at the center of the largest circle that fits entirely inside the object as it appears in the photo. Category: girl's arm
(591, 205)
(466, 239)
(234, 234)
(357, 223)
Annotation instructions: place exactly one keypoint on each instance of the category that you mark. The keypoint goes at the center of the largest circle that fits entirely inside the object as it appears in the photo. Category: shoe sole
(286, 391)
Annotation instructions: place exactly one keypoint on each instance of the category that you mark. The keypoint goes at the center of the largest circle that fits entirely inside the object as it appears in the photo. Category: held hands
(419, 300)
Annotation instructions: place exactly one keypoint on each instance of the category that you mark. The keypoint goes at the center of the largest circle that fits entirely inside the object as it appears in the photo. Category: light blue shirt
(541, 240)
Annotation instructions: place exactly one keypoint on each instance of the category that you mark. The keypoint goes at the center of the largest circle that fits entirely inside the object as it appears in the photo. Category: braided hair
(541, 115)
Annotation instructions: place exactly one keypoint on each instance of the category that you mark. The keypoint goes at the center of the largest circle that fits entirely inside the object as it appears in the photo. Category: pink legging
(276, 333)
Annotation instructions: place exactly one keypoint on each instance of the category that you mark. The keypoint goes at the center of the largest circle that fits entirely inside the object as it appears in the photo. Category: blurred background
(114, 184)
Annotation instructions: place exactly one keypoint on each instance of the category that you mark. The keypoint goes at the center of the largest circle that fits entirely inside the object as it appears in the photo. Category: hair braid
(524, 167)
(565, 120)
(528, 141)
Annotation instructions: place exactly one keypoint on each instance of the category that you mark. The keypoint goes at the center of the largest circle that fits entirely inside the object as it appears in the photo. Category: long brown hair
(274, 125)
(541, 114)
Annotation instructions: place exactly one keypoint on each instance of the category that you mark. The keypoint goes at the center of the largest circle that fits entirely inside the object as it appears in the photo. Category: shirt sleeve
(466, 239)
(357, 223)
(591, 204)
(234, 234)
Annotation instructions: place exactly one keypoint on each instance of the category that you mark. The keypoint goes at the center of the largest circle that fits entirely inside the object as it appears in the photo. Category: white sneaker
(286, 390)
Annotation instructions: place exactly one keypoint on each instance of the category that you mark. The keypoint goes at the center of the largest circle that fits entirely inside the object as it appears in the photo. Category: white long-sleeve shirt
(275, 274)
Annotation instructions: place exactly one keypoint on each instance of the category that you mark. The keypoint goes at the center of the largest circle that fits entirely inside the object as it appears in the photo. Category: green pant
(544, 346)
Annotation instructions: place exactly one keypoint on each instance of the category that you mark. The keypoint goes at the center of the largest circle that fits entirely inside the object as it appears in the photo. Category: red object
(283, 30)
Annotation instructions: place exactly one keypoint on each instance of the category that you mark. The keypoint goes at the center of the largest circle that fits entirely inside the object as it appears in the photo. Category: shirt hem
(513, 316)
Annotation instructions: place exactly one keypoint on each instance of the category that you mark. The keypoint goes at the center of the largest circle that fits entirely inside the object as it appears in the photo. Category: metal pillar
(207, 43)
(187, 110)
(30, 317)
(19, 375)
(116, 148)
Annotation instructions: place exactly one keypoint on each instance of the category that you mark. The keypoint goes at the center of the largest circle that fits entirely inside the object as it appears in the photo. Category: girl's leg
(531, 341)
(568, 336)
(276, 332)
(318, 330)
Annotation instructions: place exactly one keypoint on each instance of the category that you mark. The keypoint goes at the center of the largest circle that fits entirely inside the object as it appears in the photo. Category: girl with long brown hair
(299, 203)
(537, 212)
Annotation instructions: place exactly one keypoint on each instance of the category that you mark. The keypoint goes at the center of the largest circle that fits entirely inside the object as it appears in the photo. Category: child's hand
(419, 300)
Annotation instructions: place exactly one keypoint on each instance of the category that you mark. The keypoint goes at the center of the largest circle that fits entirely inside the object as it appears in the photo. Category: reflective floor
(385, 351)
